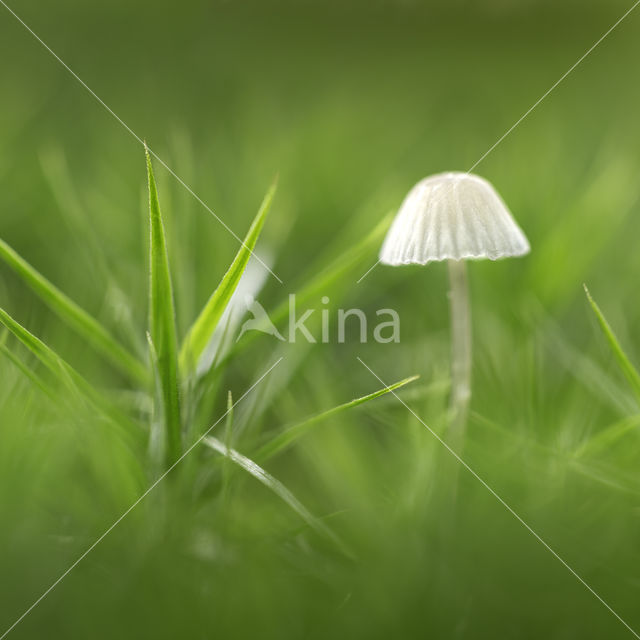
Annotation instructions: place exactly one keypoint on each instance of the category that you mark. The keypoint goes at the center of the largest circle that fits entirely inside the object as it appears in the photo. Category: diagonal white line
(535, 104)
(501, 501)
(134, 134)
(137, 502)
(367, 273)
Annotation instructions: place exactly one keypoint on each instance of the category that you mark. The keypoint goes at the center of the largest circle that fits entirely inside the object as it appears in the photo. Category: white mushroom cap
(452, 216)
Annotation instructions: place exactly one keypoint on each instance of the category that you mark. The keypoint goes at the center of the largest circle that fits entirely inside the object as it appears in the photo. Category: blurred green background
(350, 103)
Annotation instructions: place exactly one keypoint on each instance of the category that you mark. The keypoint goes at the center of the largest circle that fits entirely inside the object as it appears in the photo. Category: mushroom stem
(460, 352)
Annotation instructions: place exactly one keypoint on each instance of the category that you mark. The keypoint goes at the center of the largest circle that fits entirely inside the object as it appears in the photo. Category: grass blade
(33, 377)
(609, 436)
(629, 371)
(202, 329)
(60, 368)
(318, 284)
(76, 317)
(608, 476)
(321, 283)
(226, 475)
(284, 440)
(45, 354)
(162, 323)
(277, 487)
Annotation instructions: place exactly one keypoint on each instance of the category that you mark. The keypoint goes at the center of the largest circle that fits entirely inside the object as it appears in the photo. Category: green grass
(199, 335)
(288, 436)
(87, 326)
(162, 326)
(165, 431)
(629, 371)
(304, 512)
(59, 368)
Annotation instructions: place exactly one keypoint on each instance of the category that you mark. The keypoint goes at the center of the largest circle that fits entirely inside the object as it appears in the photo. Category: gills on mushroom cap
(452, 216)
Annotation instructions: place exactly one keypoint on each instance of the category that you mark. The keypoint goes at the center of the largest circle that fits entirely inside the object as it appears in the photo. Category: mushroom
(455, 217)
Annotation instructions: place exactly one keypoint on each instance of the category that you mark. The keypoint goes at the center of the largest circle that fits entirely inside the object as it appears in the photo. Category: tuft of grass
(162, 324)
(75, 316)
(200, 333)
